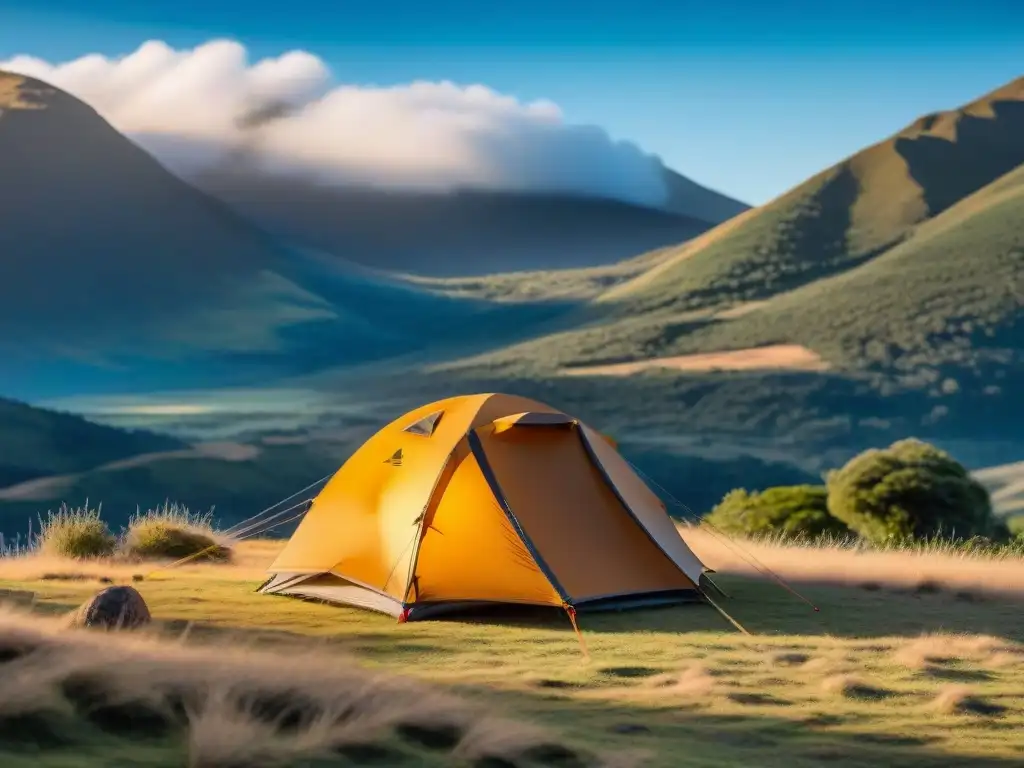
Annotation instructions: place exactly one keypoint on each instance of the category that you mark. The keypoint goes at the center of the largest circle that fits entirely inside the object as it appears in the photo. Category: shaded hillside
(845, 215)
(446, 234)
(92, 228)
(115, 275)
(35, 442)
(688, 198)
(235, 485)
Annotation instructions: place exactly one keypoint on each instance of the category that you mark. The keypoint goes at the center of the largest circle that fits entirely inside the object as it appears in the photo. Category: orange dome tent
(483, 499)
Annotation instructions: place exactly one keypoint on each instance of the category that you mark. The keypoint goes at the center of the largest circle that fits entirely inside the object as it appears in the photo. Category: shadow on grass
(663, 734)
(764, 608)
(756, 738)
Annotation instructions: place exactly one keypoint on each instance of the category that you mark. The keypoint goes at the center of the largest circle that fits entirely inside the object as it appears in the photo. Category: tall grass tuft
(172, 531)
(76, 533)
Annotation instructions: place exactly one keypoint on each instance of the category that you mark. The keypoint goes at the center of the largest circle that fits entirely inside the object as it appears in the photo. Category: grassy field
(913, 660)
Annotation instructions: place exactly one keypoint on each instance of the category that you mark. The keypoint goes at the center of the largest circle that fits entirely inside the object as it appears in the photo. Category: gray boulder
(113, 608)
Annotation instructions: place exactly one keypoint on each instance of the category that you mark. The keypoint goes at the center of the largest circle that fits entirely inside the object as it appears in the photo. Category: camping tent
(483, 499)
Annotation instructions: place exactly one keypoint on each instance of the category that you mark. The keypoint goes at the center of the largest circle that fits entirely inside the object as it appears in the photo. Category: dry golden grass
(249, 563)
(229, 706)
(694, 681)
(906, 570)
(853, 687)
(881, 676)
(962, 700)
(12, 93)
(928, 650)
(789, 357)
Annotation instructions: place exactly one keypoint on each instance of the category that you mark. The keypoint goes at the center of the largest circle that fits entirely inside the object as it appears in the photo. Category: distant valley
(881, 298)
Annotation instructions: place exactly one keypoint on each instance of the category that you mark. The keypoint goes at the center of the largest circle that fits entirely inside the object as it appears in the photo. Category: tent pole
(728, 618)
(715, 587)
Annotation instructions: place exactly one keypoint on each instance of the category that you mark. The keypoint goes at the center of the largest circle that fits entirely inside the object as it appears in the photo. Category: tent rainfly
(484, 499)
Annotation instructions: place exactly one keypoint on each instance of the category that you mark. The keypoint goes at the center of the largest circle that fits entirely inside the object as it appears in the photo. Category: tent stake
(571, 613)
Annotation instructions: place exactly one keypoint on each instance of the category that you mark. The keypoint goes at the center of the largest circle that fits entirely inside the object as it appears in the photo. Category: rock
(113, 608)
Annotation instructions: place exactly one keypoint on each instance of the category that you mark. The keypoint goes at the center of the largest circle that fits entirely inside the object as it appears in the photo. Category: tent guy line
(722, 537)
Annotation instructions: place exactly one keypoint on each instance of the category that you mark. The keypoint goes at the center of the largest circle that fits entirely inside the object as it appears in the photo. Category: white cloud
(191, 107)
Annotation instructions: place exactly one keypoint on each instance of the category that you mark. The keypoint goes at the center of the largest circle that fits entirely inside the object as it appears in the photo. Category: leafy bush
(76, 533)
(795, 511)
(171, 531)
(909, 490)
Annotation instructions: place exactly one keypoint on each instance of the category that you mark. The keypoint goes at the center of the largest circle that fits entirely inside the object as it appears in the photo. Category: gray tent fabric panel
(426, 425)
(276, 582)
(540, 419)
(331, 589)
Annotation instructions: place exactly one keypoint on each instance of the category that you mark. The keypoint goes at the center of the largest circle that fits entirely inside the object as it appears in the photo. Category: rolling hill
(879, 264)
(115, 275)
(168, 287)
(112, 268)
(35, 442)
(879, 299)
(465, 232)
(845, 215)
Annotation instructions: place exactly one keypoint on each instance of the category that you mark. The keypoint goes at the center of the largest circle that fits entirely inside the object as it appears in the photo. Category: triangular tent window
(426, 425)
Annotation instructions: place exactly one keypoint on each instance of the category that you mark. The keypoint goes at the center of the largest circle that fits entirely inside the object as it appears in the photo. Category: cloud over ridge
(198, 107)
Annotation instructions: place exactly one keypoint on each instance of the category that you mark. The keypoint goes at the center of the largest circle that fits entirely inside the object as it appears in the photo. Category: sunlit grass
(887, 672)
(172, 531)
(75, 533)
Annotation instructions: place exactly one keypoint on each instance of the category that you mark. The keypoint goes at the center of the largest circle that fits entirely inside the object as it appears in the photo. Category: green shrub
(909, 490)
(171, 531)
(77, 533)
(1015, 525)
(795, 511)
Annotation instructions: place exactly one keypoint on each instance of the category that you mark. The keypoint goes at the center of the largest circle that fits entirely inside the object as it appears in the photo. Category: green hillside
(845, 215)
(234, 484)
(880, 263)
(902, 288)
(35, 443)
(949, 295)
(952, 294)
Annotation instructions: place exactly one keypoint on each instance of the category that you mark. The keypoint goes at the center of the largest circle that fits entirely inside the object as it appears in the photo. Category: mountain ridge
(862, 205)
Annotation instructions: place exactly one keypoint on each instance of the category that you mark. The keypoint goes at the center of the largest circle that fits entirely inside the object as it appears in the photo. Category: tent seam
(414, 560)
(477, 448)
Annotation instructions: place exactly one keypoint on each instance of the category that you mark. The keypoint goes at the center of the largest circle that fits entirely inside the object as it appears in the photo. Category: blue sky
(746, 97)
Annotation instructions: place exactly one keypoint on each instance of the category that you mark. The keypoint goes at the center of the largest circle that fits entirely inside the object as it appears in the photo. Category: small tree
(795, 511)
(909, 490)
